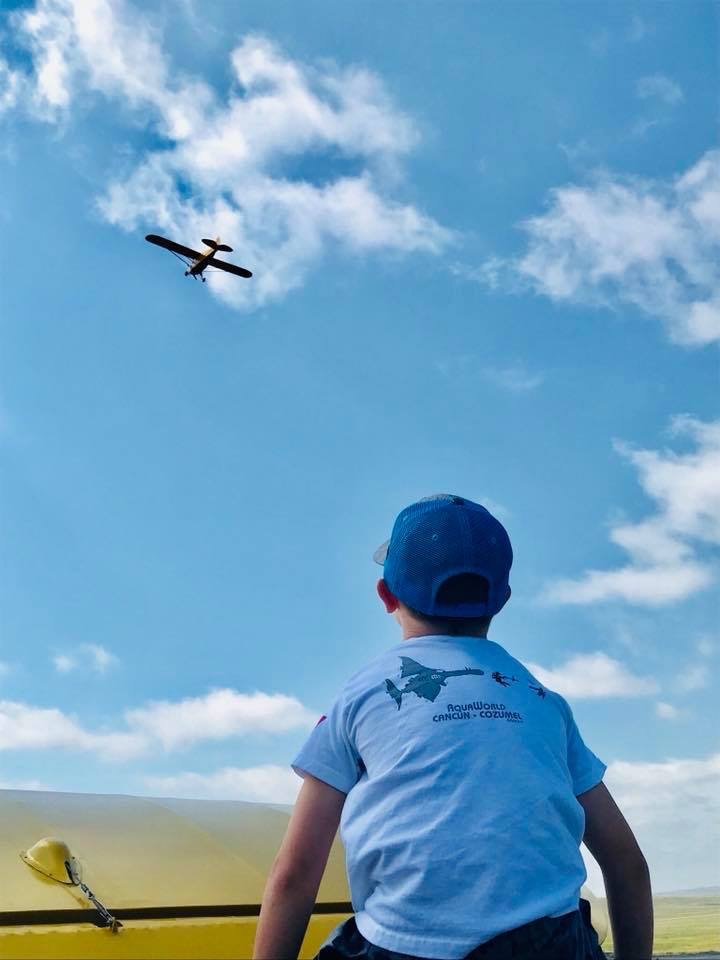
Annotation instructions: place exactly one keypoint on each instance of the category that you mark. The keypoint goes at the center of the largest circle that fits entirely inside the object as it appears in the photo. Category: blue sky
(485, 244)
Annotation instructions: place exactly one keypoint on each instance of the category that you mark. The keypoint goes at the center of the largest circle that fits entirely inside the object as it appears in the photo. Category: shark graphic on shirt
(424, 682)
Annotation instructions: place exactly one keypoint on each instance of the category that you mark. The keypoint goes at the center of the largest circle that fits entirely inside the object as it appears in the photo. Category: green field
(684, 925)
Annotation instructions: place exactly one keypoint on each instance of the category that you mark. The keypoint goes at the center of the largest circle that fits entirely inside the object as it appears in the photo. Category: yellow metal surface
(143, 852)
(598, 914)
(202, 939)
(51, 857)
(140, 853)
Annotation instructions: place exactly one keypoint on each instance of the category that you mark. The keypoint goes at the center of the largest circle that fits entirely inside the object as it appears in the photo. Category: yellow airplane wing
(185, 878)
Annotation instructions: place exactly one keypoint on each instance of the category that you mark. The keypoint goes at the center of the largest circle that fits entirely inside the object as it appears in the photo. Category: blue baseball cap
(440, 537)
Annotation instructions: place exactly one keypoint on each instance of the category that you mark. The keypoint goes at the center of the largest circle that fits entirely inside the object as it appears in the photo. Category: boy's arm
(625, 872)
(297, 871)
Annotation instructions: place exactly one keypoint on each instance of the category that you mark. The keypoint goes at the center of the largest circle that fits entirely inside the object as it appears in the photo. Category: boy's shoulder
(406, 656)
(369, 671)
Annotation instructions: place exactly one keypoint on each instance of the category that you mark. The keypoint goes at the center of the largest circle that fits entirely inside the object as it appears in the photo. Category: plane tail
(394, 692)
(214, 245)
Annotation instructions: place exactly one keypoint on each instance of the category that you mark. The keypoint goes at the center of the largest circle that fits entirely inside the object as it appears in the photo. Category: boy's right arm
(625, 872)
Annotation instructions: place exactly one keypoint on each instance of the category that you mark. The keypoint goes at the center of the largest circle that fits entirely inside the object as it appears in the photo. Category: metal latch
(53, 859)
(107, 918)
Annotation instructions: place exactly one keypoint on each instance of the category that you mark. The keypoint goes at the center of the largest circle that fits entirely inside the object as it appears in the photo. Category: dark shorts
(570, 937)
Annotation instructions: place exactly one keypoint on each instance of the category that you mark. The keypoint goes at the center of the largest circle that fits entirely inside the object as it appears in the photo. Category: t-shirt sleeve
(329, 754)
(586, 770)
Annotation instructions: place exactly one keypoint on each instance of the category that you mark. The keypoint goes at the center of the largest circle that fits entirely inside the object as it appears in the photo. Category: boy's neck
(417, 629)
(414, 625)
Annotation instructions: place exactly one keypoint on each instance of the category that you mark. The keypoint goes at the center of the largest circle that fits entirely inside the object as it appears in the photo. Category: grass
(684, 925)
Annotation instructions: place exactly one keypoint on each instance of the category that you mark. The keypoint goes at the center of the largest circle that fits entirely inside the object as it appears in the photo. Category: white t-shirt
(462, 772)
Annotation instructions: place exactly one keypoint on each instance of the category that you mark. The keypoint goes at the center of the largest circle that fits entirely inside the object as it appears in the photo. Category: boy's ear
(505, 600)
(388, 598)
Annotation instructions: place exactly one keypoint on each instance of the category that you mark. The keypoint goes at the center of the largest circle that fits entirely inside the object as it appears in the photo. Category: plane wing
(428, 691)
(411, 667)
(229, 267)
(463, 673)
(171, 245)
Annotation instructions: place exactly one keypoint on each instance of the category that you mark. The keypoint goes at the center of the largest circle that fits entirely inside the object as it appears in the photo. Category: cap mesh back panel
(442, 540)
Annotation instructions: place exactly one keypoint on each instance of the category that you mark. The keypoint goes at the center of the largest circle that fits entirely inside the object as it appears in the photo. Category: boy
(463, 784)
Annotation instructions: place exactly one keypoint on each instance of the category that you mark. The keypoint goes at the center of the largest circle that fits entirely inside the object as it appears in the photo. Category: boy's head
(446, 564)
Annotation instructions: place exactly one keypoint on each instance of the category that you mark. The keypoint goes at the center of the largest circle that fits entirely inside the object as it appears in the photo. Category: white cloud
(100, 659)
(694, 678)
(218, 715)
(666, 710)
(653, 586)
(514, 379)
(10, 86)
(228, 167)
(637, 30)
(601, 39)
(63, 663)
(665, 566)
(706, 647)
(661, 87)
(623, 241)
(672, 806)
(88, 655)
(593, 676)
(457, 366)
(648, 790)
(495, 507)
(26, 727)
(23, 785)
(268, 783)
(493, 273)
(101, 46)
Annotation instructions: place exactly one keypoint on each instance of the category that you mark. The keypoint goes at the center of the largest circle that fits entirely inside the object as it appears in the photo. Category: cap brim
(381, 553)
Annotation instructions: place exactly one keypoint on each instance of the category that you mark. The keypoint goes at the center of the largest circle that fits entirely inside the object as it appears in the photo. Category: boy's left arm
(297, 871)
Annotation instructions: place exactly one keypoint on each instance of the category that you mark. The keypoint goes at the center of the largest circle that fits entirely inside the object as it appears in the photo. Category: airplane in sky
(198, 261)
